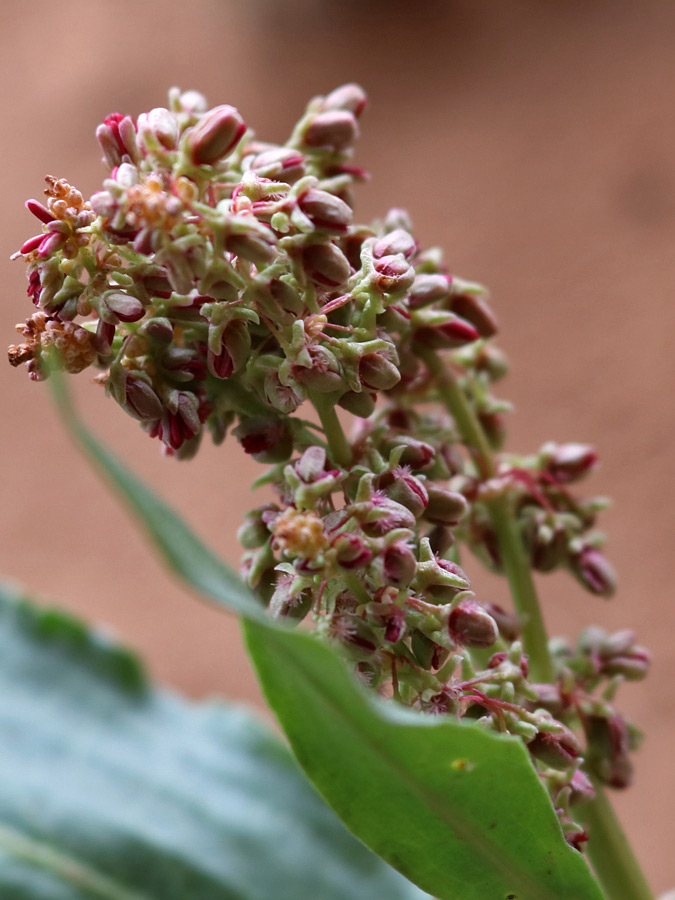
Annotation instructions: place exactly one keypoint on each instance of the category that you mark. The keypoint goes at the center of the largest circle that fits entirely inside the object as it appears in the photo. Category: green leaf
(459, 811)
(110, 790)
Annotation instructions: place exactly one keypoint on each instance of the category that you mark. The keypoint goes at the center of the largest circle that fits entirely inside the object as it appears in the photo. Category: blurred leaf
(459, 811)
(111, 790)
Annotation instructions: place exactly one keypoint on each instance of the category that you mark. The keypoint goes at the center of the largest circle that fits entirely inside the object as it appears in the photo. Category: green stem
(338, 445)
(512, 551)
(614, 862)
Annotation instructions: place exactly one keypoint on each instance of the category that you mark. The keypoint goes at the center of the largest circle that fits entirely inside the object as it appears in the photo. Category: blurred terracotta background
(533, 140)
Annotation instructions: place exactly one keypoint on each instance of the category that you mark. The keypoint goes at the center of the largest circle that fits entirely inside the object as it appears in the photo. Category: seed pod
(351, 551)
(399, 565)
(396, 243)
(141, 400)
(358, 404)
(428, 289)
(556, 749)
(122, 307)
(608, 749)
(266, 438)
(325, 211)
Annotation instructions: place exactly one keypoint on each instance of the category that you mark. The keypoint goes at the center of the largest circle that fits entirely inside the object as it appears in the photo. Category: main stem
(610, 853)
(511, 549)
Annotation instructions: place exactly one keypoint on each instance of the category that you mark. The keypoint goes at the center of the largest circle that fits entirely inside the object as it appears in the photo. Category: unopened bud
(450, 332)
(360, 404)
(351, 551)
(334, 130)
(416, 454)
(266, 439)
(378, 372)
(123, 306)
(384, 515)
(397, 242)
(253, 532)
(568, 463)
(445, 507)
(325, 211)
(405, 488)
(427, 289)
(216, 134)
(507, 623)
(594, 571)
(399, 564)
(469, 624)
(160, 126)
(351, 97)
(279, 164)
(326, 264)
(234, 350)
(474, 308)
(393, 273)
(252, 247)
(608, 749)
(141, 400)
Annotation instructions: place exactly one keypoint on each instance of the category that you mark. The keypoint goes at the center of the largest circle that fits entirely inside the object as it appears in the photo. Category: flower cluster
(221, 284)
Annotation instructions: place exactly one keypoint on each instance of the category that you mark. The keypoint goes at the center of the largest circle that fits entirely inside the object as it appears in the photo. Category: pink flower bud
(556, 749)
(608, 749)
(325, 211)
(351, 97)
(252, 247)
(397, 242)
(351, 551)
(448, 334)
(312, 465)
(428, 289)
(323, 374)
(594, 571)
(474, 308)
(469, 624)
(159, 125)
(123, 306)
(393, 273)
(279, 164)
(39, 211)
(416, 454)
(266, 439)
(568, 463)
(326, 264)
(507, 623)
(399, 564)
(334, 130)
(216, 134)
(405, 488)
(234, 350)
(378, 372)
(445, 507)
(384, 515)
(141, 400)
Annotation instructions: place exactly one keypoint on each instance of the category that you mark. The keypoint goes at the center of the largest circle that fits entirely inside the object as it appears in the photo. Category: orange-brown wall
(535, 141)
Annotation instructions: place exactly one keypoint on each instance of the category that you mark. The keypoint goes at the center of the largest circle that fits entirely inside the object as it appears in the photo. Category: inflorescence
(221, 284)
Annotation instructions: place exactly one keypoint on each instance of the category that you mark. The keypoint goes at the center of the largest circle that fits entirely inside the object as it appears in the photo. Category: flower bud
(445, 331)
(279, 164)
(326, 264)
(105, 334)
(441, 539)
(123, 307)
(325, 211)
(608, 749)
(351, 97)
(253, 532)
(594, 571)
(557, 749)
(323, 374)
(282, 397)
(428, 289)
(393, 274)
(474, 308)
(396, 243)
(351, 551)
(378, 372)
(472, 626)
(568, 463)
(266, 439)
(416, 454)
(334, 130)
(383, 515)
(158, 126)
(141, 400)
(216, 134)
(581, 788)
(399, 564)
(507, 623)
(405, 488)
(252, 247)
(358, 404)
(234, 350)
(445, 507)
